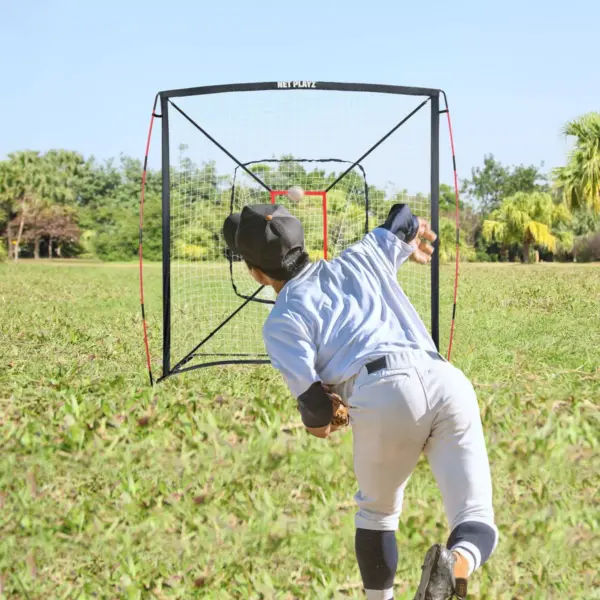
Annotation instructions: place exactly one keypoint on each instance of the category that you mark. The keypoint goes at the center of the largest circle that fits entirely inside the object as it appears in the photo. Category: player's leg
(390, 425)
(457, 454)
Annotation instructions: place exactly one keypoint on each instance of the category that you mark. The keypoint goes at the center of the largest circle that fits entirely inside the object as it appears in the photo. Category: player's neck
(278, 286)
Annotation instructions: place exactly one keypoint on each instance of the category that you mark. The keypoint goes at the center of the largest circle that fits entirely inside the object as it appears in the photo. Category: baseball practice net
(354, 149)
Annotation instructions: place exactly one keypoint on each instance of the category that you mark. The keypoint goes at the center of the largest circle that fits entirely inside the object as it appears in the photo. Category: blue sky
(82, 75)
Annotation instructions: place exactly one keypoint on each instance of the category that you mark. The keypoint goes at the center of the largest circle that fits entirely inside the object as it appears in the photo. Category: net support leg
(166, 237)
(435, 218)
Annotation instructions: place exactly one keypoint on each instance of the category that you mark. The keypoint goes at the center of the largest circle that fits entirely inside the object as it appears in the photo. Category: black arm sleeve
(402, 223)
(315, 406)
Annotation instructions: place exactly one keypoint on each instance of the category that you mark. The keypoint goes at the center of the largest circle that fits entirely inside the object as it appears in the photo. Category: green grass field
(205, 487)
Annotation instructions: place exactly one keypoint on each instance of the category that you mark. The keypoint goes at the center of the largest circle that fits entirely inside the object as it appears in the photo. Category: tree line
(60, 204)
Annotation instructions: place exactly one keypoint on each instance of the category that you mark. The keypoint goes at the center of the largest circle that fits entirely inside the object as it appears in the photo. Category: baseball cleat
(437, 580)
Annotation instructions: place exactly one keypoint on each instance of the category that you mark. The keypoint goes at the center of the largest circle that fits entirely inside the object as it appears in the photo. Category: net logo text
(297, 84)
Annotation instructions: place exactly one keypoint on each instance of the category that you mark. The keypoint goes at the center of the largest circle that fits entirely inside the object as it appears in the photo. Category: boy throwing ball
(345, 329)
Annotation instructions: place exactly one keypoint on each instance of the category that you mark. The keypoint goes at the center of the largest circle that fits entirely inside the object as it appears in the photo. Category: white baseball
(295, 193)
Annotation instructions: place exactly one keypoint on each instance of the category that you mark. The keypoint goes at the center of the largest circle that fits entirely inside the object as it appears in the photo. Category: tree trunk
(36, 248)
(19, 234)
(9, 239)
(59, 251)
(526, 252)
(50, 248)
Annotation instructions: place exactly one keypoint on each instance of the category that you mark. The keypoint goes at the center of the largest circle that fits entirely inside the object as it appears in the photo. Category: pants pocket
(395, 393)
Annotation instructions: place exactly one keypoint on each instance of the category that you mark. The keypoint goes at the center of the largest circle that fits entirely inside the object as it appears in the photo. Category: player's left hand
(422, 243)
(340, 417)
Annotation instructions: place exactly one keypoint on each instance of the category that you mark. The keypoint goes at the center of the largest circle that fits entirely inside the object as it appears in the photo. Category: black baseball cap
(264, 235)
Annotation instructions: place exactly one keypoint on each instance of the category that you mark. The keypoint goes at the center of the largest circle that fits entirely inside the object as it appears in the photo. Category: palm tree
(30, 182)
(530, 219)
(23, 186)
(579, 180)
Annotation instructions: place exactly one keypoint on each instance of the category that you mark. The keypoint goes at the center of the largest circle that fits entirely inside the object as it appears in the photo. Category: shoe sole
(431, 560)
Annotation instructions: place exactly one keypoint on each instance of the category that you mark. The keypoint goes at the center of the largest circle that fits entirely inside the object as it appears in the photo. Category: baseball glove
(340, 411)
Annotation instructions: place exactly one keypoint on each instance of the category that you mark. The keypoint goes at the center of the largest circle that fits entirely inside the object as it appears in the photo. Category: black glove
(402, 223)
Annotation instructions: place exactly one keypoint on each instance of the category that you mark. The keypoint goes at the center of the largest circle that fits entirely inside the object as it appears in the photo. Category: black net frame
(430, 95)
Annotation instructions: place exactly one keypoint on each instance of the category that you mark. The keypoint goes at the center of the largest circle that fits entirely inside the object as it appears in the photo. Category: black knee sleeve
(377, 555)
(478, 539)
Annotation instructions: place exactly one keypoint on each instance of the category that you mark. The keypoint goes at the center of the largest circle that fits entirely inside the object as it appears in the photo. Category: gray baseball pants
(420, 404)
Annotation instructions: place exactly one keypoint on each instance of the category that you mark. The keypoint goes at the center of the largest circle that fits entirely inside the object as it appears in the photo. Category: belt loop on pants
(377, 365)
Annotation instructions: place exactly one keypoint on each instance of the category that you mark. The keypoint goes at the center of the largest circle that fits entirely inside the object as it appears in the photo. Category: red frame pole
(457, 211)
(140, 252)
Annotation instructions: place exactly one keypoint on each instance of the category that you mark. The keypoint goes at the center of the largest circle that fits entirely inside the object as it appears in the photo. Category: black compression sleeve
(315, 406)
(402, 223)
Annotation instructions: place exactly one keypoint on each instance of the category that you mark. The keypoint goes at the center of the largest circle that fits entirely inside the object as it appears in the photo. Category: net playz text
(297, 84)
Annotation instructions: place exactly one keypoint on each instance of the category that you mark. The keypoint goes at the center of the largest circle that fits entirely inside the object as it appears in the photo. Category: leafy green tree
(587, 248)
(33, 230)
(494, 182)
(30, 183)
(96, 182)
(55, 223)
(6, 204)
(448, 199)
(62, 202)
(25, 186)
(447, 243)
(487, 184)
(20, 178)
(530, 219)
(579, 180)
(585, 222)
(66, 167)
(108, 195)
(116, 233)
